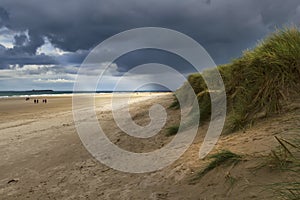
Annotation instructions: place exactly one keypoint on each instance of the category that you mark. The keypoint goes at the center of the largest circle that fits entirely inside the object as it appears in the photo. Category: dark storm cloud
(20, 40)
(19, 56)
(224, 28)
(24, 59)
(30, 45)
(3, 17)
(73, 57)
(139, 57)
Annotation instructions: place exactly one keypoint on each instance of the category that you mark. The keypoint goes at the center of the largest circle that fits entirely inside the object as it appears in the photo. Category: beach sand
(42, 156)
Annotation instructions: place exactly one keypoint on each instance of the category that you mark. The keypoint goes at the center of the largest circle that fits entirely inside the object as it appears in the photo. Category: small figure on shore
(45, 100)
(34, 100)
(37, 101)
(27, 99)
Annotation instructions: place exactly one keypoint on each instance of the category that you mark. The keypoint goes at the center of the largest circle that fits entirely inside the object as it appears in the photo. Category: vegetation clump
(172, 130)
(222, 157)
(257, 84)
(287, 158)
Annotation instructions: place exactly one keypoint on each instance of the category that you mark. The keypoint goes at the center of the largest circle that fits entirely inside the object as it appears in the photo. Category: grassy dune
(258, 84)
(261, 83)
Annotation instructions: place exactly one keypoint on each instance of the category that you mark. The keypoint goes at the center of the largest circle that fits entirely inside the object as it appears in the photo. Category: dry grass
(287, 158)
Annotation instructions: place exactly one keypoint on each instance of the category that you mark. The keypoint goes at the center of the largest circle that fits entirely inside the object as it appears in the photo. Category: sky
(43, 43)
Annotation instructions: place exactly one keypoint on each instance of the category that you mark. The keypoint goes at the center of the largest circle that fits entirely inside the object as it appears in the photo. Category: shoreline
(71, 94)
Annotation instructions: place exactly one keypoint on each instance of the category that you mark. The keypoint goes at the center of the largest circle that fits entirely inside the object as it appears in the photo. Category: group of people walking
(37, 101)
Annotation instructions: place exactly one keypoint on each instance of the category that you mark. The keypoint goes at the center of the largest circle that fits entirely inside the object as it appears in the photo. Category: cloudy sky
(43, 43)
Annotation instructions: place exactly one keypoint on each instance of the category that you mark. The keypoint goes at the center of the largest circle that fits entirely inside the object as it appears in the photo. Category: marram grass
(259, 83)
(220, 158)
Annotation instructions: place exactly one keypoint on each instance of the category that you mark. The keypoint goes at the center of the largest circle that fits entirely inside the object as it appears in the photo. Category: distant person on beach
(27, 99)
(45, 100)
(37, 101)
(34, 101)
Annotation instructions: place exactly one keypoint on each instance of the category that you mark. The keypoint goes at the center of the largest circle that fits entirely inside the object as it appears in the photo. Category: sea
(10, 94)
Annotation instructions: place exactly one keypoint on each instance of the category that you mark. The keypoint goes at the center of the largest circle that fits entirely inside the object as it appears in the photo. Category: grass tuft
(175, 104)
(287, 157)
(171, 131)
(286, 154)
(220, 158)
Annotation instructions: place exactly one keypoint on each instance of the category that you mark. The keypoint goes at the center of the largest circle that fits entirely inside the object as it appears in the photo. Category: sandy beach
(42, 153)
(42, 156)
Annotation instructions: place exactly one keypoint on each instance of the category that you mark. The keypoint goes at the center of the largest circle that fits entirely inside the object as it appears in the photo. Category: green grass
(175, 104)
(258, 84)
(172, 130)
(223, 157)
